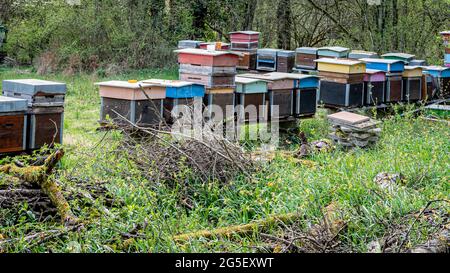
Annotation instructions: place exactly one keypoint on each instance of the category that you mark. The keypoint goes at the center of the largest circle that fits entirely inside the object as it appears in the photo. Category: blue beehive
(386, 65)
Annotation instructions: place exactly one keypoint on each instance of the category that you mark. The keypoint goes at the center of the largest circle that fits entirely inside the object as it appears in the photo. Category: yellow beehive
(343, 66)
(413, 71)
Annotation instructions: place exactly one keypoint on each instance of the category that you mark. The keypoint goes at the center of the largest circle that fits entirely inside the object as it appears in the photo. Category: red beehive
(202, 57)
(244, 36)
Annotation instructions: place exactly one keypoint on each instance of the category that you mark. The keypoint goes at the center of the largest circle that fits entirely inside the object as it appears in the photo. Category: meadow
(143, 216)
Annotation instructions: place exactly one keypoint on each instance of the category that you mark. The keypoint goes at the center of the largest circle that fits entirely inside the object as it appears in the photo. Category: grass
(411, 146)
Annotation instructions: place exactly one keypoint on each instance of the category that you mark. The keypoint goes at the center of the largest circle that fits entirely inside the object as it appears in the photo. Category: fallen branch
(238, 230)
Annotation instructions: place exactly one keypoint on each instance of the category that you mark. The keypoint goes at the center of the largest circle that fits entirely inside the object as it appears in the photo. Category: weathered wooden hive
(209, 68)
(266, 59)
(251, 96)
(137, 102)
(412, 83)
(333, 52)
(440, 77)
(245, 43)
(342, 82)
(178, 93)
(394, 76)
(374, 86)
(305, 58)
(13, 124)
(285, 61)
(305, 94)
(45, 109)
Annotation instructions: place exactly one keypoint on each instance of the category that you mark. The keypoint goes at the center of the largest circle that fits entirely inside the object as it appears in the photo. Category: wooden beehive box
(374, 87)
(220, 101)
(208, 70)
(266, 59)
(404, 57)
(13, 124)
(412, 83)
(251, 93)
(178, 93)
(305, 57)
(285, 61)
(340, 94)
(281, 92)
(394, 87)
(247, 60)
(38, 93)
(46, 125)
(333, 52)
(361, 54)
(441, 77)
(245, 46)
(341, 77)
(202, 57)
(386, 65)
(140, 103)
(342, 66)
(244, 36)
(209, 81)
(305, 93)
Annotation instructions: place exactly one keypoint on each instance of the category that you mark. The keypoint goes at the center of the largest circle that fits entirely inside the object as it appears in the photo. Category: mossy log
(40, 175)
(238, 230)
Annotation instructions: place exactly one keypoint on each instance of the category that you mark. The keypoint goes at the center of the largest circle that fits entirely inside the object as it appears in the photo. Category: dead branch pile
(163, 156)
(34, 185)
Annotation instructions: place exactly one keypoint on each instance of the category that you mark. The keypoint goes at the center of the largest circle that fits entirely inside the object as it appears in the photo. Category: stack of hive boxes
(374, 86)
(446, 38)
(177, 94)
(13, 124)
(394, 76)
(412, 83)
(245, 43)
(45, 109)
(285, 61)
(342, 82)
(251, 96)
(216, 70)
(305, 60)
(266, 59)
(351, 130)
(136, 102)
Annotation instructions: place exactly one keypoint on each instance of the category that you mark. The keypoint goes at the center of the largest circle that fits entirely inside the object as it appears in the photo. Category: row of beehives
(31, 114)
(253, 98)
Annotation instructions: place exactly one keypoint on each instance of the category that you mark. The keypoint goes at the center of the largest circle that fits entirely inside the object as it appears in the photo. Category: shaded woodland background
(112, 35)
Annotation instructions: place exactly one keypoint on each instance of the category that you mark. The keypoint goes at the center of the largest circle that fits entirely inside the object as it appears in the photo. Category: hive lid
(335, 48)
(358, 54)
(169, 83)
(307, 50)
(348, 118)
(248, 78)
(411, 67)
(204, 52)
(405, 56)
(384, 61)
(124, 84)
(247, 32)
(338, 61)
(8, 104)
(34, 86)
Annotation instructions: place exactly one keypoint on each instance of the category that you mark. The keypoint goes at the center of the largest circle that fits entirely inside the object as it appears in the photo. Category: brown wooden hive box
(45, 126)
(13, 124)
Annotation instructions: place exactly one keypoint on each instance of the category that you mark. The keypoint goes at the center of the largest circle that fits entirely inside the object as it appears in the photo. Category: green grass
(411, 146)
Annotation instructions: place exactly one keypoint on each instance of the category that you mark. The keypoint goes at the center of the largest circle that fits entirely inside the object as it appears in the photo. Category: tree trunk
(284, 24)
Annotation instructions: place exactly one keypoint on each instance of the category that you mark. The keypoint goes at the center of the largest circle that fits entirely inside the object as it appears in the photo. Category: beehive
(247, 60)
(341, 66)
(139, 103)
(285, 61)
(441, 78)
(386, 65)
(266, 59)
(202, 57)
(13, 124)
(220, 100)
(189, 44)
(305, 58)
(38, 93)
(412, 83)
(374, 86)
(251, 93)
